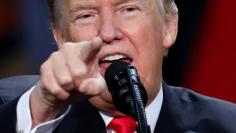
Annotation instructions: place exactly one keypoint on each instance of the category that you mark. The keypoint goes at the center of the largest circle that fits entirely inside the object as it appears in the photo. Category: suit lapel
(166, 122)
(83, 118)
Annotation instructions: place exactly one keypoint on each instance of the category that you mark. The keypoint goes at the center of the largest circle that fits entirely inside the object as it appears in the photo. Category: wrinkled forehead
(57, 7)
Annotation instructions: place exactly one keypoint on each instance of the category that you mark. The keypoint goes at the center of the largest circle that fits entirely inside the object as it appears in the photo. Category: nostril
(112, 36)
(108, 36)
(109, 33)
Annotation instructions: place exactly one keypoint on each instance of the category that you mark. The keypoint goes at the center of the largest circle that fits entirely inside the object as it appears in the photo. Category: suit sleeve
(8, 117)
(24, 120)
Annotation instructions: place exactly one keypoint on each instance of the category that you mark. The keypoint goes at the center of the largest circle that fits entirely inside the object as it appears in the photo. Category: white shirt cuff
(24, 120)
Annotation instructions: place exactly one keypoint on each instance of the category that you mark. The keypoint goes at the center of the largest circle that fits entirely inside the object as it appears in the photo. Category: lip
(103, 65)
(112, 49)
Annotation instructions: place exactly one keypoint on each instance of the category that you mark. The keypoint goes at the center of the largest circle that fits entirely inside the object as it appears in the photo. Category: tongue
(104, 64)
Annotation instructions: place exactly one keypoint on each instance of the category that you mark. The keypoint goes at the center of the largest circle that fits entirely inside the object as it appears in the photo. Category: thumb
(93, 86)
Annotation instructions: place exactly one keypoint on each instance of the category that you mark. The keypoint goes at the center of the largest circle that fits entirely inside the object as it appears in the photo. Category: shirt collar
(152, 111)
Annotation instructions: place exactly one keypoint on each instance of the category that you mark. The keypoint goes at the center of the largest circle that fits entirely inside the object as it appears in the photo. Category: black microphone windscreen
(120, 86)
(114, 69)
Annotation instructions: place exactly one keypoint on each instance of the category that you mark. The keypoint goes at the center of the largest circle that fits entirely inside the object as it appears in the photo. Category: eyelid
(83, 13)
(125, 7)
(128, 5)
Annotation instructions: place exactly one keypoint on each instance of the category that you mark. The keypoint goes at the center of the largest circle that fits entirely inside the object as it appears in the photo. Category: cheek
(147, 39)
(144, 33)
(151, 54)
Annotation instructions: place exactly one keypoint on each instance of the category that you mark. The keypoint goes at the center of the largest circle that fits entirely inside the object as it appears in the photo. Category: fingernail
(97, 40)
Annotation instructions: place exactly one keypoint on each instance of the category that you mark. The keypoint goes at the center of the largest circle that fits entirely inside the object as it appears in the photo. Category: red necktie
(123, 125)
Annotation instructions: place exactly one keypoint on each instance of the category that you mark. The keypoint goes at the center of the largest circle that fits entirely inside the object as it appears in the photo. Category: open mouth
(107, 60)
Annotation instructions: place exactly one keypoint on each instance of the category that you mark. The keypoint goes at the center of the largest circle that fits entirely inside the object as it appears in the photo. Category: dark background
(203, 57)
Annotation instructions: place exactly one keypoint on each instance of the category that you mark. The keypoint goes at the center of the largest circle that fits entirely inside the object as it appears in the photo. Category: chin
(106, 105)
(118, 114)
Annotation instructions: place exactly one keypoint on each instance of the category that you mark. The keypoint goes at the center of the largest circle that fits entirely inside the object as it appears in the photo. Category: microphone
(120, 78)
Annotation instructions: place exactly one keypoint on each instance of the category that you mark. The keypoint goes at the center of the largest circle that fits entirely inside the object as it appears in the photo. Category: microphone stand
(128, 93)
(138, 102)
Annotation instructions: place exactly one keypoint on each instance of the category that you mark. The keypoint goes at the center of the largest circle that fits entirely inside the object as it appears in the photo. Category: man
(71, 94)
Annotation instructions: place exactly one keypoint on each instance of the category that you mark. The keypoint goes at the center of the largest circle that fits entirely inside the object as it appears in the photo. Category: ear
(170, 30)
(58, 36)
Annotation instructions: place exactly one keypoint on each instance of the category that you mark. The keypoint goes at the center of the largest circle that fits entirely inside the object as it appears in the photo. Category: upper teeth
(114, 57)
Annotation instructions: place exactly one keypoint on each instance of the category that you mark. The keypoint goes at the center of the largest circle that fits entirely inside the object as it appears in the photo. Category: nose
(109, 30)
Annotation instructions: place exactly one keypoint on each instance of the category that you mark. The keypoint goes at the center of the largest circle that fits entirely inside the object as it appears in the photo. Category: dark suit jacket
(183, 111)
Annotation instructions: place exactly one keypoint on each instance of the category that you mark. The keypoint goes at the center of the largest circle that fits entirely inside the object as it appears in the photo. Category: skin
(88, 31)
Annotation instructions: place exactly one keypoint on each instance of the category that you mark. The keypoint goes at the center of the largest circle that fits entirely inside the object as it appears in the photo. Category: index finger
(85, 49)
(90, 49)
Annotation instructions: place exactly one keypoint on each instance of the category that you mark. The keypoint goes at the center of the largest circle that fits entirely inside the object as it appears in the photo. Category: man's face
(133, 30)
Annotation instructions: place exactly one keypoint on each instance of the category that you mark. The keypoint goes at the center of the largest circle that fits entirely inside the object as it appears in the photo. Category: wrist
(44, 108)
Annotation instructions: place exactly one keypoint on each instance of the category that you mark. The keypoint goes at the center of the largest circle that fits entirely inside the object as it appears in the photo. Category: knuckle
(65, 80)
(68, 46)
(55, 91)
(89, 87)
(55, 55)
(78, 73)
(43, 83)
(44, 67)
(82, 90)
(95, 90)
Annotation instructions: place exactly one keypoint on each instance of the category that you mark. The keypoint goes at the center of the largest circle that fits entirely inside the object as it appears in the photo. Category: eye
(129, 9)
(85, 18)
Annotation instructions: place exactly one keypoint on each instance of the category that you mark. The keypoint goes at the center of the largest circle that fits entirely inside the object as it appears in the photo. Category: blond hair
(169, 7)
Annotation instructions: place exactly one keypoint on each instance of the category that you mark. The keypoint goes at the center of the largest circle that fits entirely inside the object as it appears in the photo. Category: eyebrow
(83, 5)
(126, 1)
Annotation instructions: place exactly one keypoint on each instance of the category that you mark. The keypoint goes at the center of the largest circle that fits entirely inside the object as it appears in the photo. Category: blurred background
(203, 57)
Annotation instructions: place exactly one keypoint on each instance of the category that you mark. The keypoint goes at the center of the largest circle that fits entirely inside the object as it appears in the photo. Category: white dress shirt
(152, 112)
(24, 120)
